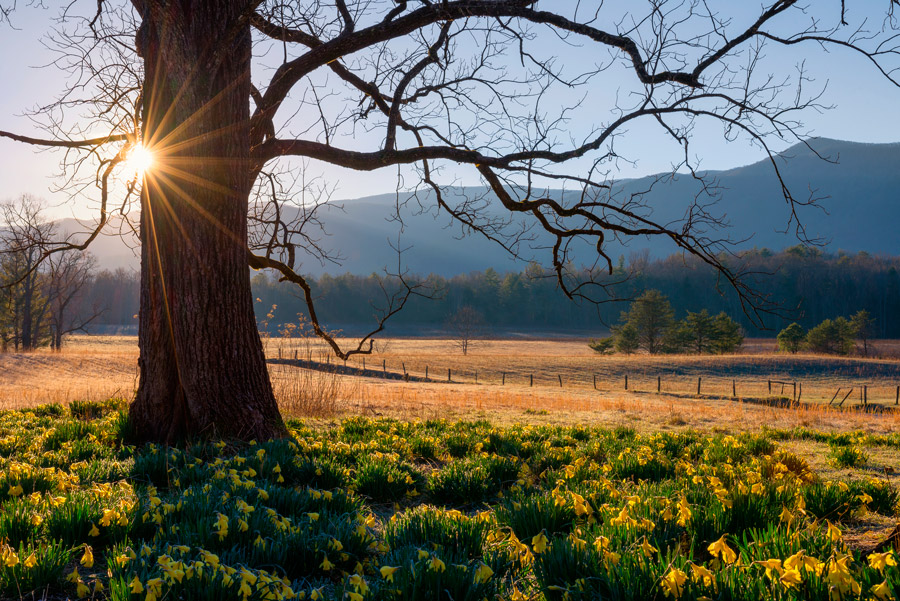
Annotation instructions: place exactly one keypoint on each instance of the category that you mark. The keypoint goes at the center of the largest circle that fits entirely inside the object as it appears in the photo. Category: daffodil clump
(388, 510)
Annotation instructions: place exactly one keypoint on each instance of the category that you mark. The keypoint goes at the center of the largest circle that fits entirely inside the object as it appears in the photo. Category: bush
(604, 346)
(791, 338)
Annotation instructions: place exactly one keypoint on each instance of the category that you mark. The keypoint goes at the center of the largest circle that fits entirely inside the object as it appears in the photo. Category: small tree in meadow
(791, 338)
(466, 328)
(728, 336)
(864, 326)
(698, 331)
(627, 340)
(651, 317)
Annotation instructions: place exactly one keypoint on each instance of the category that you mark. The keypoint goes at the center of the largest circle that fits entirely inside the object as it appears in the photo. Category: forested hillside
(809, 287)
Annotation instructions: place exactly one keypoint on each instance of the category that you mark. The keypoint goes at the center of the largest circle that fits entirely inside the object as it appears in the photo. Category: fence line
(706, 386)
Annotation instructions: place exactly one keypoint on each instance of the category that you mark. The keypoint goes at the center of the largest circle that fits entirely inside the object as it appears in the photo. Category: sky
(865, 111)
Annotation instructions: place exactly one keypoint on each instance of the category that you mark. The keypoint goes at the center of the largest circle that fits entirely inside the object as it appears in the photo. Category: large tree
(415, 86)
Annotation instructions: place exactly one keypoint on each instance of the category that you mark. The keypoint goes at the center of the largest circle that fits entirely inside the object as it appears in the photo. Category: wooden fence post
(698, 384)
(531, 380)
(658, 384)
(865, 395)
(733, 389)
(295, 354)
(476, 376)
(503, 383)
(595, 381)
(560, 379)
(794, 394)
(448, 374)
(897, 399)
(799, 391)
(384, 367)
(770, 386)
(626, 381)
(839, 392)
(403, 363)
(426, 372)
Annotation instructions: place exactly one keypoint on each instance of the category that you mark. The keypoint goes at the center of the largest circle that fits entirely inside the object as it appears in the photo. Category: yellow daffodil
(721, 550)
(880, 561)
(483, 574)
(834, 532)
(387, 572)
(791, 578)
(702, 575)
(437, 565)
(773, 568)
(539, 542)
(673, 583)
(87, 560)
(882, 591)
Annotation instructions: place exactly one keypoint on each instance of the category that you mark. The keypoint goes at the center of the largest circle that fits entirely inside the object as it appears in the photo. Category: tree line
(810, 287)
(807, 285)
(43, 295)
(833, 336)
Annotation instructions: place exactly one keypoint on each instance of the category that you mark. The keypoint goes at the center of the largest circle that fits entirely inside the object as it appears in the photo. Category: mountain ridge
(858, 210)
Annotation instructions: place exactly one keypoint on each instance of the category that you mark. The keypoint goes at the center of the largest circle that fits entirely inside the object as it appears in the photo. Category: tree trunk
(202, 368)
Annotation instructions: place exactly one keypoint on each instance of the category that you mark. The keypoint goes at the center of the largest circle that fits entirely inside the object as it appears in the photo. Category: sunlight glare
(139, 160)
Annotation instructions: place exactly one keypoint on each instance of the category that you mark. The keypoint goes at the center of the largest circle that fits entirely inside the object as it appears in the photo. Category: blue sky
(865, 111)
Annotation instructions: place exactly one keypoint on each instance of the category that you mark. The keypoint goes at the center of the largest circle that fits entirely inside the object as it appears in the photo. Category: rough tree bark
(202, 368)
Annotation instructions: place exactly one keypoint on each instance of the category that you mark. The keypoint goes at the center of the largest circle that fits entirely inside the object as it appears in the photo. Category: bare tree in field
(225, 93)
(466, 328)
(68, 274)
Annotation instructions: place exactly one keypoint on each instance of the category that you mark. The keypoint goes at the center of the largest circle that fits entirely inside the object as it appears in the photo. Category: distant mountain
(859, 211)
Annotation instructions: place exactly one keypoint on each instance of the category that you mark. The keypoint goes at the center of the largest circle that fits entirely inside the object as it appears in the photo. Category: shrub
(791, 338)
(603, 346)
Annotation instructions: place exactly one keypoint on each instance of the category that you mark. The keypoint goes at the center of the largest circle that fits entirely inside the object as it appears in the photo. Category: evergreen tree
(700, 332)
(863, 325)
(651, 317)
(832, 337)
(791, 338)
(728, 336)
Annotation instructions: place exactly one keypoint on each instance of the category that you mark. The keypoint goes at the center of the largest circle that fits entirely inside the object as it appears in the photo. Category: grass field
(419, 490)
(97, 368)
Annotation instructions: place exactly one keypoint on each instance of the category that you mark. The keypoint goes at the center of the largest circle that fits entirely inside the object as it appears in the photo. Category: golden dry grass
(94, 368)
(517, 362)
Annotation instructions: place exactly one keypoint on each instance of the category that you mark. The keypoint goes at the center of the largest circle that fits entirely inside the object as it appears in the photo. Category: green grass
(389, 510)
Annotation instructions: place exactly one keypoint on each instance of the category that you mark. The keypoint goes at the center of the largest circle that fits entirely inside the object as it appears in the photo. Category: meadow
(414, 489)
